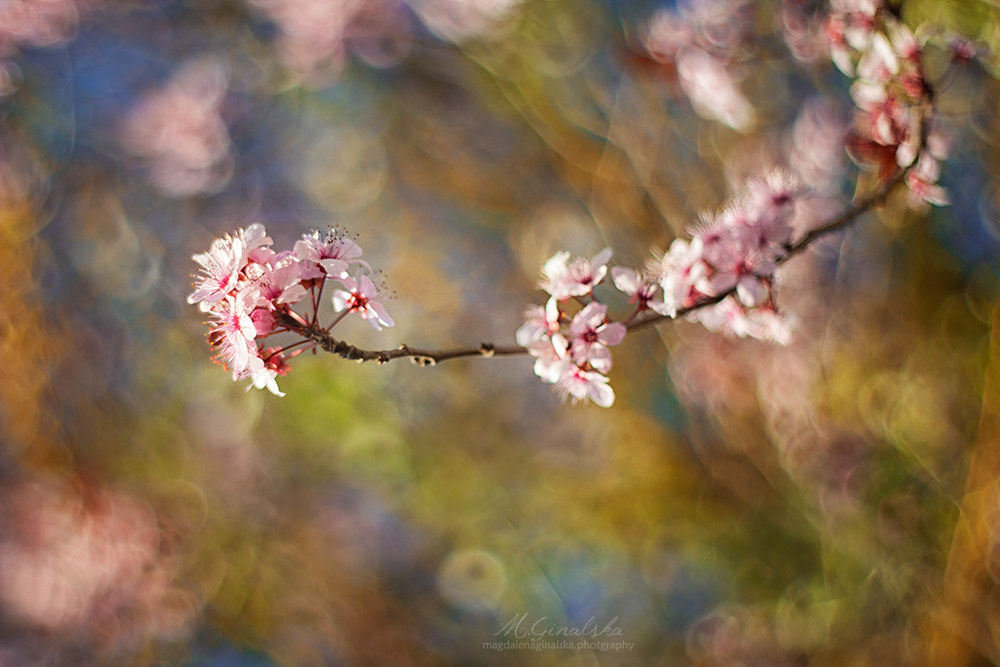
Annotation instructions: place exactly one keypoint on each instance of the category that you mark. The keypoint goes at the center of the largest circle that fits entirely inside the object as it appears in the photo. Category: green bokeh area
(828, 502)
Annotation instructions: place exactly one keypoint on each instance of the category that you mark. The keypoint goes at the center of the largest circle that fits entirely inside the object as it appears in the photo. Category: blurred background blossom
(316, 37)
(179, 134)
(832, 501)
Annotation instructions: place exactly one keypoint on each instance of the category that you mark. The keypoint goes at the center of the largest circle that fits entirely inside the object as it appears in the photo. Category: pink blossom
(878, 61)
(802, 31)
(315, 34)
(713, 91)
(565, 276)
(640, 288)
(887, 119)
(731, 318)
(680, 269)
(458, 20)
(965, 51)
(739, 263)
(222, 264)
(904, 43)
(281, 283)
(850, 23)
(263, 370)
(247, 288)
(767, 324)
(362, 297)
(728, 316)
(179, 133)
(770, 204)
(835, 32)
(891, 91)
(38, 22)
(220, 267)
(263, 321)
(858, 17)
(815, 149)
(88, 567)
(255, 240)
(714, 230)
(665, 34)
(580, 385)
(539, 321)
(334, 252)
(922, 179)
(573, 362)
(881, 108)
(720, 233)
(888, 122)
(234, 330)
(590, 334)
(551, 359)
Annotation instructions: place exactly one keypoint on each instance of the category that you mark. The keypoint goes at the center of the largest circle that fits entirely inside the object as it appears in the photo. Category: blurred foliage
(832, 502)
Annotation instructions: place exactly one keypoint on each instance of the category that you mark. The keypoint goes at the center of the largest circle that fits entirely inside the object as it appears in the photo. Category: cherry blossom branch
(894, 134)
(722, 276)
(283, 319)
(848, 216)
(248, 290)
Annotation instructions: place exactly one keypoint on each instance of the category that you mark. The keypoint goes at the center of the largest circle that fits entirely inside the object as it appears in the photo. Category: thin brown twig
(328, 343)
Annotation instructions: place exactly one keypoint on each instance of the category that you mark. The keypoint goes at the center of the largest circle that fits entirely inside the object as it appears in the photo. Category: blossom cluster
(572, 352)
(722, 277)
(698, 46)
(894, 126)
(735, 254)
(248, 291)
